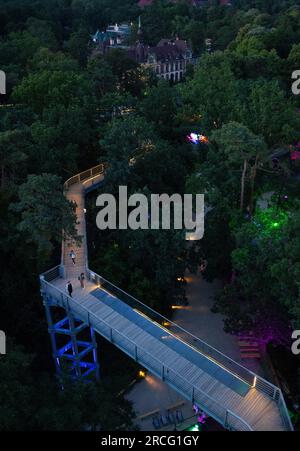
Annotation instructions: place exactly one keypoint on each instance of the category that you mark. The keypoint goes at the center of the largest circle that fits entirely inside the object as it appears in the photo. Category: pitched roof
(166, 50)
(180, 44)
(165, 53)
(100, 36)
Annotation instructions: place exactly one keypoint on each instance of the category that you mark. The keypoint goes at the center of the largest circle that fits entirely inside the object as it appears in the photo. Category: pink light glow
(295, 155)
(202, 418)
(197, 138)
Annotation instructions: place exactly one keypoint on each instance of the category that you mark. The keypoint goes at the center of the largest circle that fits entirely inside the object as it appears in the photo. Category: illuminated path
(228, 392)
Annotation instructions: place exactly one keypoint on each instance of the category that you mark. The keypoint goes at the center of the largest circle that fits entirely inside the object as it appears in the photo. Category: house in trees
(115, 36)
(168, 59)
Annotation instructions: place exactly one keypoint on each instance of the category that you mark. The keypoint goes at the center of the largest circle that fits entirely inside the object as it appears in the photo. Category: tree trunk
(2, 176)
(243, 184)
(253, 177)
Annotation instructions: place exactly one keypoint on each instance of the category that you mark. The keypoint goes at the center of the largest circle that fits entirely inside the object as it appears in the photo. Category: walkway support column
(73, 357)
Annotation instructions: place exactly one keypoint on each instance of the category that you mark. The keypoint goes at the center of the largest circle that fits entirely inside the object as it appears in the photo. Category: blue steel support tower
(75, 357)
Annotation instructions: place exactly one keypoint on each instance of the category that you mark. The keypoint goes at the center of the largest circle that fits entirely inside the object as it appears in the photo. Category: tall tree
(45, 212)
(214, 99)
(241, 146)
(12, 155)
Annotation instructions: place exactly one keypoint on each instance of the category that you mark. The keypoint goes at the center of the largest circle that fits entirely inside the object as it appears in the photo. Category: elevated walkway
(234, 396)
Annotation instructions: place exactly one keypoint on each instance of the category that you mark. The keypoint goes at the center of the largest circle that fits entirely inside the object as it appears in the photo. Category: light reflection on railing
(182, 334)
(230, 420)
(85, 175)
(154, 365)
(199, 345)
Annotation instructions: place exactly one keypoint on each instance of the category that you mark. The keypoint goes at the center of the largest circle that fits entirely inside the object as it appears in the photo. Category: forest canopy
(64, 112)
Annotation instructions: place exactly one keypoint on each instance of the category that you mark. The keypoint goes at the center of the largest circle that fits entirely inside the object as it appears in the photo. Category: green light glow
(270, 221)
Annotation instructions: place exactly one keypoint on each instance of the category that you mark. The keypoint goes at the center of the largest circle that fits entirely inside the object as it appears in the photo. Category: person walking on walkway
(73, 256)
(81, 279)
(203, 265)
(69, 288)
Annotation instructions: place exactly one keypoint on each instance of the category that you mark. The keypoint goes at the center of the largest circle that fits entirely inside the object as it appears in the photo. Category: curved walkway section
(234, 396)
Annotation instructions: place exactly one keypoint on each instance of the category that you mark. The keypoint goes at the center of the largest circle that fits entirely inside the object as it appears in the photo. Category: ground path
(152, 394)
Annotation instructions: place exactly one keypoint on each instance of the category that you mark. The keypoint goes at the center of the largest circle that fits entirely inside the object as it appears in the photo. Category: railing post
(163, 373)
(111, 335)
(135, 353)
(193, 394)
(226, 419)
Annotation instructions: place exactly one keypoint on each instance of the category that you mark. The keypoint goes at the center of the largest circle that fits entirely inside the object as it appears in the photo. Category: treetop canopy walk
(234, 396)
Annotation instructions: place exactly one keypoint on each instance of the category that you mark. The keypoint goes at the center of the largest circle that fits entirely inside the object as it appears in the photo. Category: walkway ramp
(231, 394)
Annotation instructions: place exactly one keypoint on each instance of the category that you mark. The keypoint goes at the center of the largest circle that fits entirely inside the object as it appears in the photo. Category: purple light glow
(197, 138)
(273, 331)
(202, 418)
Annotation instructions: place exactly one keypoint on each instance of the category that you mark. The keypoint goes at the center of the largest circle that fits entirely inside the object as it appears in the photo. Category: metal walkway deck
(234, 396)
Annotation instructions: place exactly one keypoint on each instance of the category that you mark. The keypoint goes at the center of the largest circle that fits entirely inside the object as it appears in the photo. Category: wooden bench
(251, 356)
(176, 405)
(145, 416)
(247, 343)
(250, 349)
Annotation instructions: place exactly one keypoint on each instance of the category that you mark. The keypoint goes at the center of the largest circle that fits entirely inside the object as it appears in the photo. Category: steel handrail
(194, 338)
(193, 388)
(80, 177)
(260, 383)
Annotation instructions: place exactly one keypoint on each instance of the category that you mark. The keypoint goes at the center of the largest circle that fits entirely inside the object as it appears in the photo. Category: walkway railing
(199, 345)
(89, 174)
(85, 175)
(239, 371)
(212, 407)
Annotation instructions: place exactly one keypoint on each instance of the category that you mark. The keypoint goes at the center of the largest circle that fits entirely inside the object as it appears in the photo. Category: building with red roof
(145, 3)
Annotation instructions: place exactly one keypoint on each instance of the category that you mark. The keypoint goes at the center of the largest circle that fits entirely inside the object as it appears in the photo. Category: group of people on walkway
(81, 277)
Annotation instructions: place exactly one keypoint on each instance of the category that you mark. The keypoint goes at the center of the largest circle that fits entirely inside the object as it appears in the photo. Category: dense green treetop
(65, 111)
